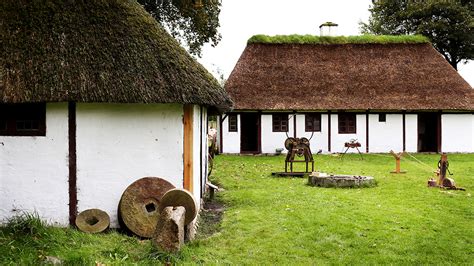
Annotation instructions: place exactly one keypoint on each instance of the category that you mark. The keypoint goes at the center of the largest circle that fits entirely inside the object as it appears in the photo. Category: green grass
(361, 39)
(284, 221)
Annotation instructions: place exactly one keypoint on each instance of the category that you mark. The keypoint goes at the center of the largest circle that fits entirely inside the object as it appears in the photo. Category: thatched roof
(363, 76)
(96, 51)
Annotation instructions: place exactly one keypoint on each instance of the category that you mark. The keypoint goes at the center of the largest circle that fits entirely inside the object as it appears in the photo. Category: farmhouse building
(93, 96)
(388, 93)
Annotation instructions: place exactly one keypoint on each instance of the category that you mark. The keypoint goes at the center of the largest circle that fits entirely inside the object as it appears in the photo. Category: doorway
(250, 133)
(429, 132)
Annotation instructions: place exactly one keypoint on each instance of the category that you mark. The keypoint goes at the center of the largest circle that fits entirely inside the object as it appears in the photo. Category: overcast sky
(241, 19)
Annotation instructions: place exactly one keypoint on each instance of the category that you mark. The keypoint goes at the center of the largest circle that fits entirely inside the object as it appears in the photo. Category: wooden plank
(404, 131)
(329, 131)
(367, 132)
(72, 163)
(188, 147)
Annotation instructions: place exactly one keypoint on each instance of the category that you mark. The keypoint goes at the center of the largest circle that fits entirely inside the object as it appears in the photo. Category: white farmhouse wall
(274, 140)
(319, 140)
(231, 140)
(472, 139)
(456, 134)
(338, 140)
(120, 143)
(411, 124)
(386, 136)
(199, 165)
(34, 171)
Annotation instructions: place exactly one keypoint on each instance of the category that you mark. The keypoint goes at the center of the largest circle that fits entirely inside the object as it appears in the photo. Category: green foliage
(448, 24)
(191, 24)
(312, 39)
(282, 221)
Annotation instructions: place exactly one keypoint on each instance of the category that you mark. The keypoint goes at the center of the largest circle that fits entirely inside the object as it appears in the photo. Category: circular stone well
(344, 181)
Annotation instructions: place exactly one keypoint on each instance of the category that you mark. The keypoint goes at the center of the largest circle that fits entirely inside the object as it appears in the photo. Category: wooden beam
(72, 163)
(294, 124)
(188, 147)
(329, 131)
(439, 139)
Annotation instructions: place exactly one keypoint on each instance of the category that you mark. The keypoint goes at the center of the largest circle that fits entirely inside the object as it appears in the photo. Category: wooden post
(188, 147)
(72, 163)
(442, 169)
(397, 156)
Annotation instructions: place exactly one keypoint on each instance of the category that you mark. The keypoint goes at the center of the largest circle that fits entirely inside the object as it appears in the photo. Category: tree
(192, 22)
(449, 24)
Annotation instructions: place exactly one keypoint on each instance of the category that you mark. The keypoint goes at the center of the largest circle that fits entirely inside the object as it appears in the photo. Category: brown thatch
(402, 76)
(96, 51)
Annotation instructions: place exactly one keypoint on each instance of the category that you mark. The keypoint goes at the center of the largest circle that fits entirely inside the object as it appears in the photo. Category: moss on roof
(96, 51)
(361, 39)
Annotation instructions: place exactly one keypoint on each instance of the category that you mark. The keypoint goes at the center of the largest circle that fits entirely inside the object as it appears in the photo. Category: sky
(241, 19)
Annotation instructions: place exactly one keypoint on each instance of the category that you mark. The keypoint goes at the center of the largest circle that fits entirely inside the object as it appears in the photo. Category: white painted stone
(34, 171)
(386, 136)
(318, 140)
(274, 140)
(456, 136)
(338, 140)
(120, 143)
(231, 139)
(411, 123)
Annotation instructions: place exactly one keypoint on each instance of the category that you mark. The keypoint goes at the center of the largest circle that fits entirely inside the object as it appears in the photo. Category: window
(312, 122)
(382, 118)
(23, 119)
(232, 123)
(347, 123)
(280, 122)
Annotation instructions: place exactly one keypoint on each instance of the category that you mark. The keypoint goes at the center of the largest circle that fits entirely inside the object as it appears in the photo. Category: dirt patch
(210, 218)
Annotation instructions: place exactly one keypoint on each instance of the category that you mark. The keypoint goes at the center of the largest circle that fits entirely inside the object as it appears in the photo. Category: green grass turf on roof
(361, 39)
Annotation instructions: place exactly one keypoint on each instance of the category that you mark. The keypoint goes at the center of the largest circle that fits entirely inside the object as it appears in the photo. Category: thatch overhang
(391, 76)
(109, 51)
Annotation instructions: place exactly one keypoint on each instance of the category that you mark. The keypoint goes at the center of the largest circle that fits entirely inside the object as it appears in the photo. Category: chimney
(328, 29)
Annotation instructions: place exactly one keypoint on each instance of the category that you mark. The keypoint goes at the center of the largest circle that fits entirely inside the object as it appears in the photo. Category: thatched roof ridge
(96, 51)
(347, 77)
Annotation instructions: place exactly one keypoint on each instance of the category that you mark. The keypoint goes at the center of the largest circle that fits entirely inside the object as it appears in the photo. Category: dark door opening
(429, 132)
(250, 133)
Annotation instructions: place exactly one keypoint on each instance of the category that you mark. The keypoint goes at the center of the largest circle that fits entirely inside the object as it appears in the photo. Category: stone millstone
(138, 207)
(169, 233)
(179, 197)
(92, 221)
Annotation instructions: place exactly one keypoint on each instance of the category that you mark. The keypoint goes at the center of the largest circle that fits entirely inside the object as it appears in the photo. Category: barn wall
(274, 140)
(386, 136)
(231, 139)
(338, 140)
(120, 143)
(456, 133)
(34, 171)
(319, 140)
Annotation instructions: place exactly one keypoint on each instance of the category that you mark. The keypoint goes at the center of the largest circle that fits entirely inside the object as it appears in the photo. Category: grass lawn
(271, 220)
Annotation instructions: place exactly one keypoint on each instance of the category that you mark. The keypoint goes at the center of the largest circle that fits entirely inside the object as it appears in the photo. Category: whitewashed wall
(34, 171)
(199, 167)
(120, 143)
(338, 140)
(231, 140)
(274, 140)
(456, 134)
(472, 139)
(411, 129)
(386, 136)
(319, 140)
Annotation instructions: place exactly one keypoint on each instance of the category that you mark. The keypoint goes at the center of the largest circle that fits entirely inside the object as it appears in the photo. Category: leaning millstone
(169, 232)
(92, 221)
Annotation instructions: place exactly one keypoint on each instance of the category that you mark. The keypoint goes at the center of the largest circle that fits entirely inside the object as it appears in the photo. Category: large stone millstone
(138, 207)
(179, 197)
(92, 221)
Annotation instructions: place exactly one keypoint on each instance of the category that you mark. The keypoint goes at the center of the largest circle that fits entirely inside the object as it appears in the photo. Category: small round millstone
(179, 197)
(138, 207)
(92, 221)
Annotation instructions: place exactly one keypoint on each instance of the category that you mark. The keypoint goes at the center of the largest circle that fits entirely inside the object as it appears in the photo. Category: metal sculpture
(298, 147)
(352, 144)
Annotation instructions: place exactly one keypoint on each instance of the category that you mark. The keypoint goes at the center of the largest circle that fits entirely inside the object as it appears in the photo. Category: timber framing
(188, 147)
(72, 163)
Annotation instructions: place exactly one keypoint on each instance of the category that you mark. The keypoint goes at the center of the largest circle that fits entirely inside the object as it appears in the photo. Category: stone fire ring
(92, 221)
(342, 181)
